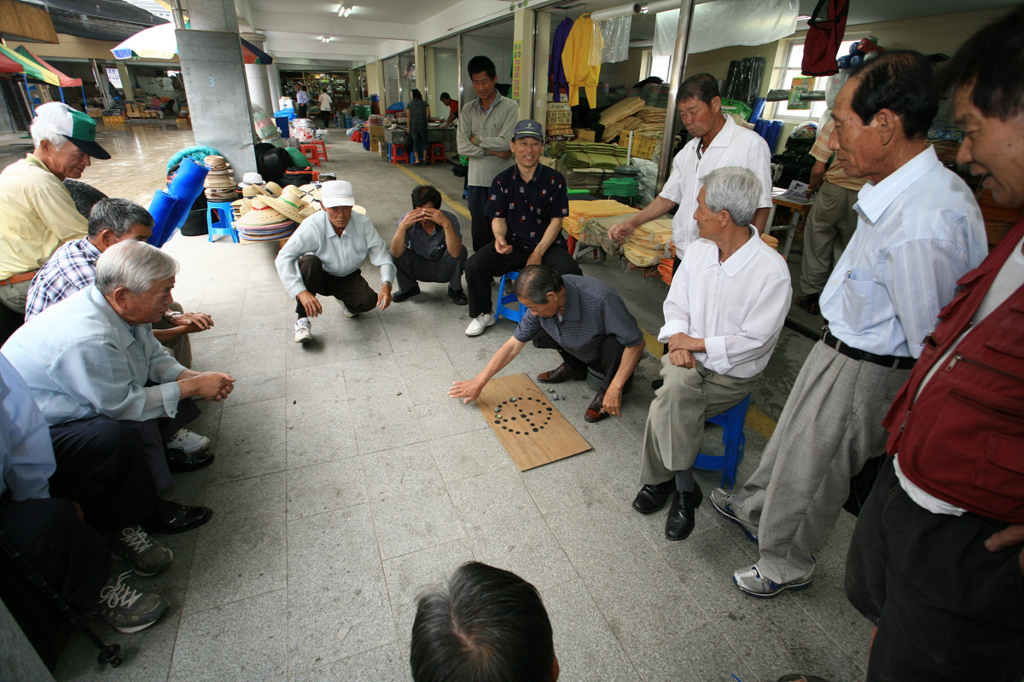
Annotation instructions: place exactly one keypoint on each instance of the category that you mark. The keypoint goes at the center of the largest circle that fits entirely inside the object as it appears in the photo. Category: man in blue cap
(526, 205)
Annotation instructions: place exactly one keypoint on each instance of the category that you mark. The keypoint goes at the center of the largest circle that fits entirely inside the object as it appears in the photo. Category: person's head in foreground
(136, 279)
(485, 625)
(540, 289)
(987, 77)
(55, 125)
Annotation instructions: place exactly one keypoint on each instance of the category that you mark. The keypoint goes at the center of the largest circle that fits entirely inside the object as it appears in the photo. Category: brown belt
(17, 279)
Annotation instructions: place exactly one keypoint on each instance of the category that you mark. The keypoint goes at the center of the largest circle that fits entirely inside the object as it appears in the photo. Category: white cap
(252, 179)
(337, 193)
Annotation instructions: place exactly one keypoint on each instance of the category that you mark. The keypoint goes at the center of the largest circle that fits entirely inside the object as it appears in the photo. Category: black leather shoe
(458, 297)
(171, 517)
(680, 521)
(406, 295)
(651, 498)
(180, 461)
(562, 373)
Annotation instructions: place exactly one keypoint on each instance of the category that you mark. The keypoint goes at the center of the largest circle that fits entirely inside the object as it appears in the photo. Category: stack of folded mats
(580, 211)
(220, 183)
(271, 218)
(593, 155)
(649, 243)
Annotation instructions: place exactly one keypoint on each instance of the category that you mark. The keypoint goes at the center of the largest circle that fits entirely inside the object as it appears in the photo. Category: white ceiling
(381, 28)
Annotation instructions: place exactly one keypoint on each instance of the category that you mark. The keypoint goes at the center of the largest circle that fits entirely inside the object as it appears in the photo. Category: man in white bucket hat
(324, 255)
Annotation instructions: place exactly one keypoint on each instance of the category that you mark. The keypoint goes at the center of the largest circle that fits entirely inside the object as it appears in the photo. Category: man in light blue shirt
(919, 230)
(323, 257)
(94, 355)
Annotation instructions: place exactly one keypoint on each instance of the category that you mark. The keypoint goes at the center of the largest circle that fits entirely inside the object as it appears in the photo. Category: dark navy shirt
(528, 207)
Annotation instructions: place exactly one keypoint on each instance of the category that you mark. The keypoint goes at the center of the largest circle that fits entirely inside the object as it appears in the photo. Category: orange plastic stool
(397, 156)
(322, 146)
(307, 149)
(437, 153)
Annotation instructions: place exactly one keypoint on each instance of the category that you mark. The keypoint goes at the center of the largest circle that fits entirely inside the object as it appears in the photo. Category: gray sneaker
(127, 609)
(753, 583)
(145, 555)
(722, 502)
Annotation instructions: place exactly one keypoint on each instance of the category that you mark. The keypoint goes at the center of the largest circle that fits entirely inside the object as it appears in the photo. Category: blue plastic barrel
(282, 125)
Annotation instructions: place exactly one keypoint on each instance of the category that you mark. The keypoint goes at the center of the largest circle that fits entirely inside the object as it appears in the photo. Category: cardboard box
(376, 138)
(583, 135)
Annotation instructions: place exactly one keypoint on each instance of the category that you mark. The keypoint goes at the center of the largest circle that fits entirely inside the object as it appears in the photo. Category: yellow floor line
(456, 206)
(756, 419)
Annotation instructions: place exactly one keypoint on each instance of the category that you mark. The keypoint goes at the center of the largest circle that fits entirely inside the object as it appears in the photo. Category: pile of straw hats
(270, 217)
(220, 183)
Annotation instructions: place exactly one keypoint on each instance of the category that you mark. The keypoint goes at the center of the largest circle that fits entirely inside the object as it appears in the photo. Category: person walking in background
(418, 112)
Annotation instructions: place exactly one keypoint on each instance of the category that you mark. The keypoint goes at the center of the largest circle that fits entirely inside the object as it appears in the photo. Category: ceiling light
(344, 11)
(803, 17)
(325, 39)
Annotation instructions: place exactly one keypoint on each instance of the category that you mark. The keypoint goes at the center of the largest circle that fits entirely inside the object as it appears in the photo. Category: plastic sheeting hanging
(615, 34)
(728, 22)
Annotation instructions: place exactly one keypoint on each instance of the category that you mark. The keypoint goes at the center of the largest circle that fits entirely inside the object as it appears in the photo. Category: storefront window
(784, 81)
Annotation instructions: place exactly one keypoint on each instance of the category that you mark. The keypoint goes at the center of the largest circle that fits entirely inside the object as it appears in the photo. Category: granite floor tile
(406, 337)
(469, 454)
(428, 373)
(258, 375)
(311, 385)
(566, 483)
(319, 430)
(325, 487)
(251, 441)
(383, 664)
(386, 422)
(374, 378)
(447, 417)
(832, 611)
(700, 654)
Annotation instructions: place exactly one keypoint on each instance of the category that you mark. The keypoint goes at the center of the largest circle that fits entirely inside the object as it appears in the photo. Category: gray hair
(733, 189)
(133, 265)
(535, 282)
(117, 215)
(39, 133)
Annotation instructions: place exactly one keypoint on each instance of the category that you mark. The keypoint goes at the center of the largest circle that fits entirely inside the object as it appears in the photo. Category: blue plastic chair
(734, 440)
(219, 221)
(502, 310)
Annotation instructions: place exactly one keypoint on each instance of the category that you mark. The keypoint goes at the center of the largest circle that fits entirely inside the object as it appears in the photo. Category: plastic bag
(728, 22)
(615, 32)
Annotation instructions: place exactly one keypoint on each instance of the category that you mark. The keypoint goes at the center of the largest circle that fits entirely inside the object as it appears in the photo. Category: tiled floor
(346, 482)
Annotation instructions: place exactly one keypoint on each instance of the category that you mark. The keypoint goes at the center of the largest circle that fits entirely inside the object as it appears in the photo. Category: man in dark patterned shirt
(526, 206)
(427, 247)
(582, 318)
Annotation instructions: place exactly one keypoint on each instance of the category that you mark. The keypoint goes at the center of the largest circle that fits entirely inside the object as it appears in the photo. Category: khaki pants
(829, 228)
(675, 422)
(14, 296)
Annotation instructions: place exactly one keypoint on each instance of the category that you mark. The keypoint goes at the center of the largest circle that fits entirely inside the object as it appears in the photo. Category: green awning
(31, 69)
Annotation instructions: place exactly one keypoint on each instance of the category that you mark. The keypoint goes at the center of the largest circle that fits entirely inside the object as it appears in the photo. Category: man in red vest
(937, 559)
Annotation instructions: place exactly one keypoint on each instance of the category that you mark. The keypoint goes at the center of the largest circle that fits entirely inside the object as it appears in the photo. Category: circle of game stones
(531, 426)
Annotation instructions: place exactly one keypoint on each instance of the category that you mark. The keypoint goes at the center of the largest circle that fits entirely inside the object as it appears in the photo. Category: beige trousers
(180, 347)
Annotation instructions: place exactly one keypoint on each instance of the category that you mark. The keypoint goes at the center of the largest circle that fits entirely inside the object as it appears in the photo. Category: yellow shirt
(576, 61)
(37, 215)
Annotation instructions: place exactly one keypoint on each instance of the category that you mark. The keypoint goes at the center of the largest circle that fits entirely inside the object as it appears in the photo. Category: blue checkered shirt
(592, 311)
(70, 268)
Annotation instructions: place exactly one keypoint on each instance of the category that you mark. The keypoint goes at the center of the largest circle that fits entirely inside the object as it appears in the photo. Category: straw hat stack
(270, 217)
(220, 184)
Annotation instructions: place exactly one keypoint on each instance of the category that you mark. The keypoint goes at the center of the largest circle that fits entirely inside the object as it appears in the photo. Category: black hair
(416, 94)
(485, 625)
(480, 64)
(535, 282)
(117, 215)
(425, 194)
(992, 60)
(703, 86)
(902, 81)
(445, 95)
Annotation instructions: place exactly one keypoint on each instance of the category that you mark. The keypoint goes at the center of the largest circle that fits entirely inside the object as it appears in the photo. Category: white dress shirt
(737, 307)
(341, 256)
(81, 360)
(918, 231)
(733, 146)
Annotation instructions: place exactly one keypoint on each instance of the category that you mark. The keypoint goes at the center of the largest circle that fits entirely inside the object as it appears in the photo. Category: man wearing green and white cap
(37, 213)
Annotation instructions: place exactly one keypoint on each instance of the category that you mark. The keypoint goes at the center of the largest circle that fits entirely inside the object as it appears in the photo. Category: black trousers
(352, 289)
(947, 609)
(301, 111)
(481, 225)
(486, 264)
(609, 357)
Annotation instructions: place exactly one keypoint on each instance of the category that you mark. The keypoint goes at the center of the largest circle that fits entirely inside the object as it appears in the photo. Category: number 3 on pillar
(211, 82)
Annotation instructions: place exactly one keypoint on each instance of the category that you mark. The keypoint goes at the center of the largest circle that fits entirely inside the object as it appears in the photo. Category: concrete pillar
(541, 55)
(274, 76)
(214, 75)
(418, 59)
(126, 81)
(257, 78)
(522, 60)
(431, 94)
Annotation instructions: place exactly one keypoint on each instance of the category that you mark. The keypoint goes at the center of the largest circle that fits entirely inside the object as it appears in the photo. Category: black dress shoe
(651, 498)
(406, 295)
(180, 461)
(458, 297)
(680, 521)
(562, 373)
(171, 517)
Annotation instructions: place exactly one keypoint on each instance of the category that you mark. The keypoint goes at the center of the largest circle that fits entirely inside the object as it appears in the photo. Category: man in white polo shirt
(717, 142)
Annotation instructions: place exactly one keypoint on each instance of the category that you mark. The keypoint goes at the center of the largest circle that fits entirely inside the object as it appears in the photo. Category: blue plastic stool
(502, 310)
(733, 439)
(219, 221)
(366, 140)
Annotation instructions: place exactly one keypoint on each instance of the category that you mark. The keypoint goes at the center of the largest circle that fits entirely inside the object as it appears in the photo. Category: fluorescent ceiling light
(344, 11)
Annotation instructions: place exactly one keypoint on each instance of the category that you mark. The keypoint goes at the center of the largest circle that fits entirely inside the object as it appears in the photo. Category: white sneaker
(480, 323)
(756, 585)
(188, 441)
(345, 311)
(303, 333)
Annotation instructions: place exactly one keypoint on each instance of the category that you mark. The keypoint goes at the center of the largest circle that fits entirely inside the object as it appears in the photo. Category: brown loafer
(595, 413)
(562, 373)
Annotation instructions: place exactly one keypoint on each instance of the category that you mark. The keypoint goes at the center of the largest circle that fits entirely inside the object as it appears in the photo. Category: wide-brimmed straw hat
(219, 182)
(215, 163)
(261, 214)
(290, 204)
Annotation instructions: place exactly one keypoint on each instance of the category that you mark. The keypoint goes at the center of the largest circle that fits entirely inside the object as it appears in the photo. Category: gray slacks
(831, 425)
(829, 228)
(675, 421)
(413, 268)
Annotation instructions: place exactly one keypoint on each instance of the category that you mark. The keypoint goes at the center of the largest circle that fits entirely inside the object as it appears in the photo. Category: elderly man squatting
(723, 316)
(427, 247)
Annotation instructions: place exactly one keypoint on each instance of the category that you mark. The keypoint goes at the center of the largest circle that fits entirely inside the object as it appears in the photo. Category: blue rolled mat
(160, 208)
(186, 187)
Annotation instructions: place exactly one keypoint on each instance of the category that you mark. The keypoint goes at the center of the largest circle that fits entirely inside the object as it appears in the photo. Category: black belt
(891, 361)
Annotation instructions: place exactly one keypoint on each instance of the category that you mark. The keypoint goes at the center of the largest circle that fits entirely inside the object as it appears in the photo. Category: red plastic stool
(307, 149)
(437, 153)
(397, 156)
(322, 146)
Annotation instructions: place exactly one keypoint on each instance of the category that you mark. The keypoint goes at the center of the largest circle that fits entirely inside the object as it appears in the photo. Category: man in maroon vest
(936, 560)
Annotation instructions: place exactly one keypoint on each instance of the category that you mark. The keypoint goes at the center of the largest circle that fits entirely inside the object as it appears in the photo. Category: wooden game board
(530, 429)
